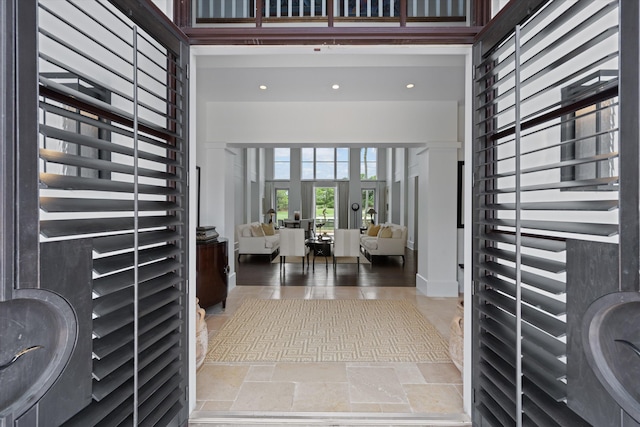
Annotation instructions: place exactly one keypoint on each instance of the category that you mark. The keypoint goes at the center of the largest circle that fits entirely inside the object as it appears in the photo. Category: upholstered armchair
(346, 243)
(292, 243)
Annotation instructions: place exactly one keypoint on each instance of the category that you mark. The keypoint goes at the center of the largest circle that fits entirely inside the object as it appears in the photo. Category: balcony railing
(220, 11)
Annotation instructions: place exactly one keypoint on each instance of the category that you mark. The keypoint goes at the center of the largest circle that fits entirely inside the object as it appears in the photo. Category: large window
(325, 163)
(369, 163)
(281, 163)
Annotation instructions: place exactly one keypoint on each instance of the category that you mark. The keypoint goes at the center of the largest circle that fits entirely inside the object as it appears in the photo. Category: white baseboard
(436, 288)
(231, 281)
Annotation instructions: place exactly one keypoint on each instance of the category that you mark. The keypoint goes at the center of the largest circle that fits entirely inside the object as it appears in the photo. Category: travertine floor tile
(375, 385)
(260, 372)
(408, 373)
(321, 397)
(434, 398)
(365, 407)
(220, 382)
(440, 373)
(216, 405)
(310, 372)
(395, 408)
(265, 396)
(331, 387)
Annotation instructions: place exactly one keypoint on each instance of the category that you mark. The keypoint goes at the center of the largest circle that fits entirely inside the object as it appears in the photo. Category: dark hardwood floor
(253, 270)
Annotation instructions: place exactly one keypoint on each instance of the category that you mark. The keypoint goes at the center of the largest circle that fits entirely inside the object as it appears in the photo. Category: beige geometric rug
(327, 331)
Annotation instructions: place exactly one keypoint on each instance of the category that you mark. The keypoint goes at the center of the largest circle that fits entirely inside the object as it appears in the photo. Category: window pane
(281, 170)
(281, 163)
(307, 170)
(282, 204)
(368, 163)
(307, 154)
(372, 154)
(281, 154)
(325, 207)
(368, 202)
(342, 154)
(372, 171)
(342, 170)
(324, 170)
(325, 154)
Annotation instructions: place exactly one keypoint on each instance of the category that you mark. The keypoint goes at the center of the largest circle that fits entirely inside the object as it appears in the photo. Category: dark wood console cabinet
(212, 266)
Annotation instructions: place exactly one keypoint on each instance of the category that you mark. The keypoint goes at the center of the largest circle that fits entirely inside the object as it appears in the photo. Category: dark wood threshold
(331, 35)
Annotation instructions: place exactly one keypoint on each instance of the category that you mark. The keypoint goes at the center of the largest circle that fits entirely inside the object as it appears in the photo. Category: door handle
(19, 355)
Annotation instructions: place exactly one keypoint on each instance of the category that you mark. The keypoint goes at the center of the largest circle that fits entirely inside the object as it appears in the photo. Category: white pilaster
(437, 231)
(217, 195)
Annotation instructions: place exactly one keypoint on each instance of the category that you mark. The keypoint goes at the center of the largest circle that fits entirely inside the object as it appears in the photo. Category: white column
(217, 195)
(355, 188)
(437, 232)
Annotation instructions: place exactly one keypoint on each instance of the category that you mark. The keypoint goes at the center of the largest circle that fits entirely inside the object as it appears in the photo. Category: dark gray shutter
(545, 167)
(113, 168)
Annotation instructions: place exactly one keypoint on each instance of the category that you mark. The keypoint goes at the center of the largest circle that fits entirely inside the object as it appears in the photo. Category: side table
(320, 247)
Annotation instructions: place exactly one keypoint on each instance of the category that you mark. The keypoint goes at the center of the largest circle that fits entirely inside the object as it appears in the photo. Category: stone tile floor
(411, 389)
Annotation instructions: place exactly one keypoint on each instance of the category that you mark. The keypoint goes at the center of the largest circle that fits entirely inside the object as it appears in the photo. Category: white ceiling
(306, 74)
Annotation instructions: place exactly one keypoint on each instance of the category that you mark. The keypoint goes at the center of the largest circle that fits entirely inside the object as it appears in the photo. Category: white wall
(329, 122)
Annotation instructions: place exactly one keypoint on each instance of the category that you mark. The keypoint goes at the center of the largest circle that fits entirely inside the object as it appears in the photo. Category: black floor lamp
(372, 212)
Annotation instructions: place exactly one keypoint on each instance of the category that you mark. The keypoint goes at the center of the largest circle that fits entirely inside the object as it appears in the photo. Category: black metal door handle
(19, 355)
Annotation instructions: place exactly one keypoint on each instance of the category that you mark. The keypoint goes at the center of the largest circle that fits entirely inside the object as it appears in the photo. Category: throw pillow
(268, 229)
(385, 233)
(373, 230)
(256, 231)
(246, 231)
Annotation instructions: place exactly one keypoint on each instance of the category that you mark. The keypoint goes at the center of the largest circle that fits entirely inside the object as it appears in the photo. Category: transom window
(369, 163)
(325, 163)
(281, 163)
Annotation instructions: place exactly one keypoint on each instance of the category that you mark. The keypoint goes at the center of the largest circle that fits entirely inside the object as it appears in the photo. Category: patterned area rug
(327, 331)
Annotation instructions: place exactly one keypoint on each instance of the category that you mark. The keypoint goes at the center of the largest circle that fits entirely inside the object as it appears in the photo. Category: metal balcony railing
(212, 11)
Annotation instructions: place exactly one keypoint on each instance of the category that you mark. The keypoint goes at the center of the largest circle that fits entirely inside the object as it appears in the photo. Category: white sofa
(391, 239)
(251, 242)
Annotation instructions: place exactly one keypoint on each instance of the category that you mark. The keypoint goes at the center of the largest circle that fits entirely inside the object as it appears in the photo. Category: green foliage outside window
(325, 206)
(282, 204)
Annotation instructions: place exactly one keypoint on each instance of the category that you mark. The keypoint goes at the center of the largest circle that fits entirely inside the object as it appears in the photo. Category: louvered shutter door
(545, 165)
(113, 167)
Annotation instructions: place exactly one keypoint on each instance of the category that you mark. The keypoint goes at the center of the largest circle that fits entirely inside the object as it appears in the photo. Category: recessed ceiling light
(263, 87)
(335, 86)
(410, 86)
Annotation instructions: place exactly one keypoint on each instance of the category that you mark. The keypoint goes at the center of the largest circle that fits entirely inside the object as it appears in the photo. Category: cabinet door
(211, 265)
